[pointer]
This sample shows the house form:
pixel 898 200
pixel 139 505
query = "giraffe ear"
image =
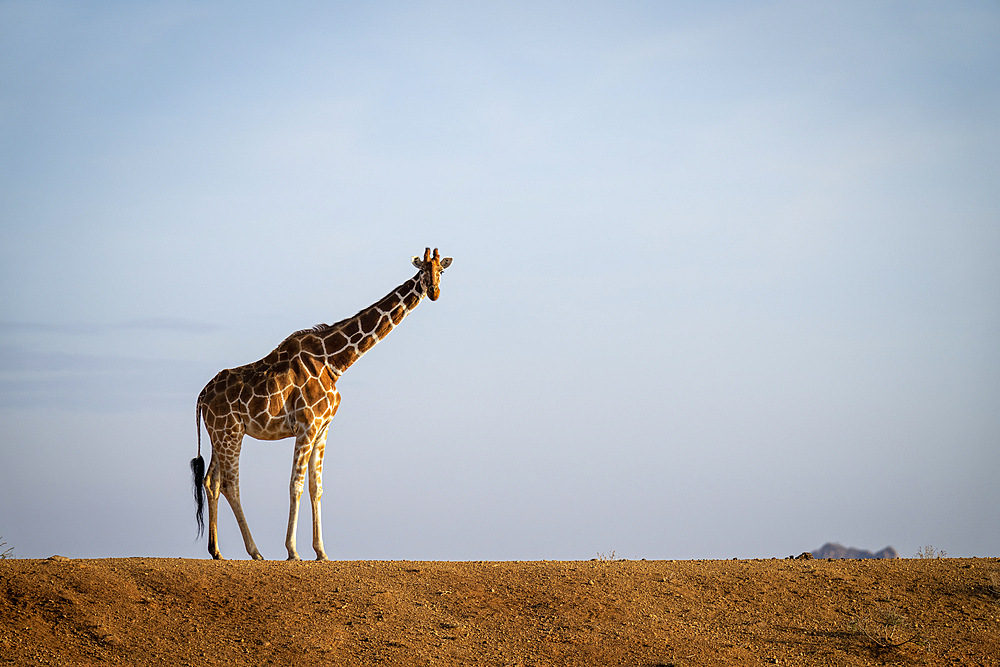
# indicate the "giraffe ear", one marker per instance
pixel 417 262
pixel 446 262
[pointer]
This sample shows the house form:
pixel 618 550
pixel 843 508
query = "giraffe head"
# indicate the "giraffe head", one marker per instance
pixel 430 271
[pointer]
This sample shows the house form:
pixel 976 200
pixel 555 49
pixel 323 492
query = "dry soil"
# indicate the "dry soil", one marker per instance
pixel 150 611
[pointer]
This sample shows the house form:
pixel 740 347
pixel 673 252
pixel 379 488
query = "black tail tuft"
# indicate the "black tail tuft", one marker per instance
pixel 198 471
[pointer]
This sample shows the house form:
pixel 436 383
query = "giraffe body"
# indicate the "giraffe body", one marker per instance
pixel 292 393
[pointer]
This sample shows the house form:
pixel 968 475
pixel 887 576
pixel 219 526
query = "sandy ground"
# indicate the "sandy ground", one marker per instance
pixel 149 611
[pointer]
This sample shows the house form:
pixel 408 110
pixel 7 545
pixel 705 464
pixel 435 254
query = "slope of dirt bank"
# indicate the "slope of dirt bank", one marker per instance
pixel 147 611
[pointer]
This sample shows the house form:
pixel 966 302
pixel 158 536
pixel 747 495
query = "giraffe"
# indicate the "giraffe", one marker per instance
pixel 292 392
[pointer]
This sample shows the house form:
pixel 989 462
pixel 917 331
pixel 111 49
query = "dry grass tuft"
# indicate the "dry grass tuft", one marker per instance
pixel 993 588
pixel 928 552
pixel 885 628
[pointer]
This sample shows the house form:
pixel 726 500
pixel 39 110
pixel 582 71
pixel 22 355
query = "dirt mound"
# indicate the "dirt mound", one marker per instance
pixel 145 611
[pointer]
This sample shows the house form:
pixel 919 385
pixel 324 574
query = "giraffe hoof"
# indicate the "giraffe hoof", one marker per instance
pixel 294 557
pixel 258 557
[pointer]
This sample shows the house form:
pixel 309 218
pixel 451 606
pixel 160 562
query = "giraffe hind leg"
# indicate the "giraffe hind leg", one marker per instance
pixel 213 486
pixel 223 478
pixel 232 493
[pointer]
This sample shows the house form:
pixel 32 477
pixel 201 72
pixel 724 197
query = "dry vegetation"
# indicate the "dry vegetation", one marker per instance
pixel 145 611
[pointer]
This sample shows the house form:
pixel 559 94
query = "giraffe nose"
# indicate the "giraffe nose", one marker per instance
pixel 434 292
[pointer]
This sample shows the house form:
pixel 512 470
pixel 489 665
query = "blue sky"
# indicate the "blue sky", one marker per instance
pixel 726 277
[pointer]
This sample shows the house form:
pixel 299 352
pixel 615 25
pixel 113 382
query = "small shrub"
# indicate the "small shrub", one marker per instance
pixel 605 558
pixel 993 588
pixel 6 553
pixel 885 628
pixel 928 552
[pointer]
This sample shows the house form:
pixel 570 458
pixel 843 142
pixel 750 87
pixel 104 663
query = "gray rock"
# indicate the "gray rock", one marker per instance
pixel 834 550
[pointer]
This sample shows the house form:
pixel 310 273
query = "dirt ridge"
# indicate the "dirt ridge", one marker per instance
pixel 146 611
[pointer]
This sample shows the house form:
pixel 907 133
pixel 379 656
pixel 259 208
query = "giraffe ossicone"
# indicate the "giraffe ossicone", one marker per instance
pixel 292 393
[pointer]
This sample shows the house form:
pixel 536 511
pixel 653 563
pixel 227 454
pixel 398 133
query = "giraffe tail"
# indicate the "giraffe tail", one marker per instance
pixel 198 473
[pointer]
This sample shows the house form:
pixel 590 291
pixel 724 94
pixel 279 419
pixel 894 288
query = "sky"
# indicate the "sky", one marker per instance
pixel 725 281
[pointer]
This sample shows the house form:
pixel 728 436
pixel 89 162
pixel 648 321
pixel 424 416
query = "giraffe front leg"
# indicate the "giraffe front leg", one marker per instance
pixel 316 492
pixel 300 462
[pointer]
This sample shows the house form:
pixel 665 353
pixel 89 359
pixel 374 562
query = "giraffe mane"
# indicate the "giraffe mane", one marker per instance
pixel 319 328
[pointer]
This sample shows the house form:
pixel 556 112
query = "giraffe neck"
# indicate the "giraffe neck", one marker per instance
pixel 348 340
